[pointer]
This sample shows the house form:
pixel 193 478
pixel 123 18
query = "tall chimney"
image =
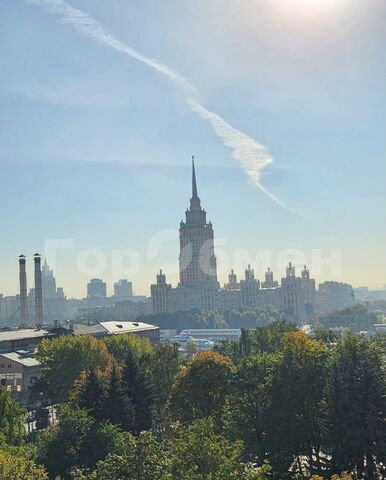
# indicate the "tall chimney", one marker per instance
pixel 38 292
pixel 23 292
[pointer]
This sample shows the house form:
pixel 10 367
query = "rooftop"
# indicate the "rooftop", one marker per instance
pixel 116 327
pixel 111 328
pixel 27 333
pixel 23 359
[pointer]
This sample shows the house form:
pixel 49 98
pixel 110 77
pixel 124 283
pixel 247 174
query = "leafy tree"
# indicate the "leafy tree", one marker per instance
pixel 118 407
pixel 120 345
pixel 200 387
pixel 142 458
pixel 63 359
pixel 77 442
pixel 260 316
pixel 61 448
pixel 357 408
pixel 329 337
pixel 262 339
pixel 246 412
pixel 194 452
pixel 91 393
pixel 356 318
pixel 163 367
pixel 236 318
pixel 297 389
pixel 11 419
pixel 198 453
pixel 269 338
pixel 139 389
pixel 103 439
pixel 14 467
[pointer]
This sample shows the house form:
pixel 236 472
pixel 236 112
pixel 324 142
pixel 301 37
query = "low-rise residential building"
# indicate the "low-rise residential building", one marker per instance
pixel 18 371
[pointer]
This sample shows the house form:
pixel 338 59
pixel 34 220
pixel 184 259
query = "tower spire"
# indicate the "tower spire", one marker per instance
pixel 194 184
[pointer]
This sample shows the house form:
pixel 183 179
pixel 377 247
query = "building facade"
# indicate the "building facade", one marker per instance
pixel 123 289
pixel 198 287
pixel 18 371
pixel 96 288
pixel 335 296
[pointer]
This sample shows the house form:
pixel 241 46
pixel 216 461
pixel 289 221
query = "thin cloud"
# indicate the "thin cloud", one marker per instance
pixel 251 155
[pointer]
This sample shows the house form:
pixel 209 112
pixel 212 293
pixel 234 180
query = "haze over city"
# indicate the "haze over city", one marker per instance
pixel 193 263
pixel 96 143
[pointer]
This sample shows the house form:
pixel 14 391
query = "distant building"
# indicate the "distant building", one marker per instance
pixel 48 282
pixel 54 300
pixel 232 334
pixel 96 288
pixel 334 296
pixel 123 289
pixel 130 310
pixel 309 292
pixel 198 287
pixel 365 294
pixel 361 293
pixel 9 311
pixel 293 295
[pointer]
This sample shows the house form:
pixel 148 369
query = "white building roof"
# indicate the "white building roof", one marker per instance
pixel 11 335
pixel 80 329
pixel 116 327
pixel 27 361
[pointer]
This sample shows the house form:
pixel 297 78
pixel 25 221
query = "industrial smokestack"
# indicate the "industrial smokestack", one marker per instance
pixel 23 292
pixel 38 292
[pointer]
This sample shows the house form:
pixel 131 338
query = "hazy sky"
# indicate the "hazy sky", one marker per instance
pixel 95 146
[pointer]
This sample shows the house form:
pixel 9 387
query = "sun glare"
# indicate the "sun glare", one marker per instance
pixel 308 7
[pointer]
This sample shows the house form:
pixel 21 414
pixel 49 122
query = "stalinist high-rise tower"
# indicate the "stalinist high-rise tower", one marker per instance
pixel 197 260
pixel 198 288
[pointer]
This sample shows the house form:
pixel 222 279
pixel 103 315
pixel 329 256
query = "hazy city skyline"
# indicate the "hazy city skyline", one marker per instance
pixel 96 146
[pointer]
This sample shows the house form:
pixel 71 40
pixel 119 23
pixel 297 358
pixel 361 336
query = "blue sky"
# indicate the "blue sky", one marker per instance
pixel 96 146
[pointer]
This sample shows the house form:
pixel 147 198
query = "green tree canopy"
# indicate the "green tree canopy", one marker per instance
pixel 137 385
pixel 14 467
pixel 120 345
pixel 118 408
pixel 77 442
pixel 64 358
pixel 200 387
pixel 198 453
pixel 357 408
pixel 297 390
pixel 11 419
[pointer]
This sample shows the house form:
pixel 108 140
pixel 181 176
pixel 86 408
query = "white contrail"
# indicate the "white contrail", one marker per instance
pixel 252 156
